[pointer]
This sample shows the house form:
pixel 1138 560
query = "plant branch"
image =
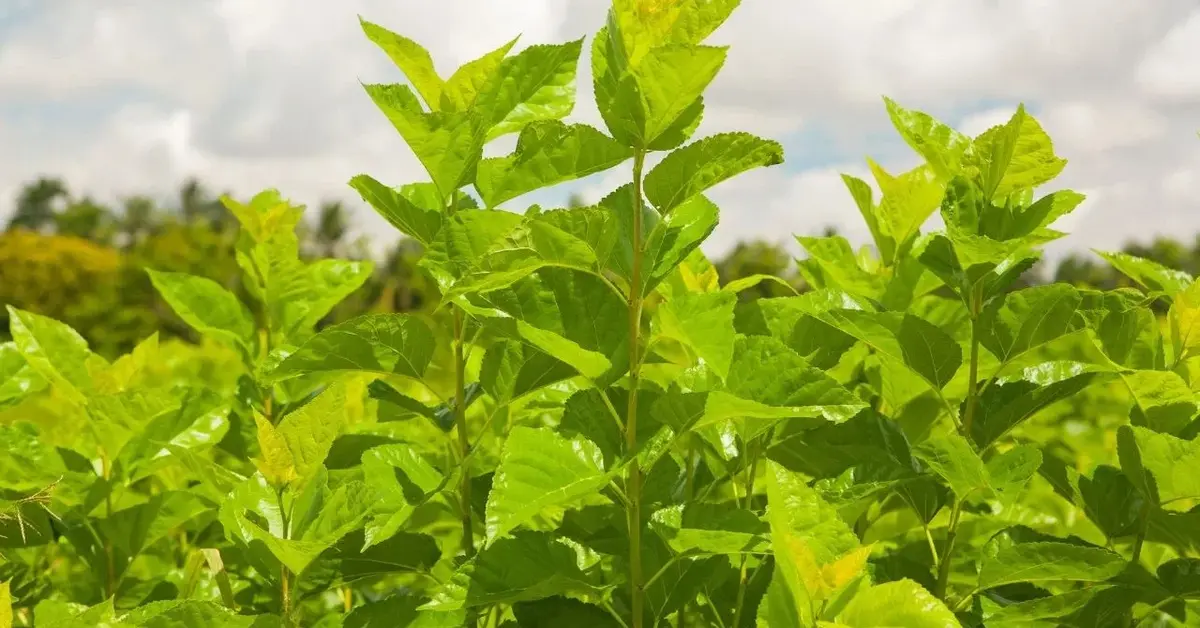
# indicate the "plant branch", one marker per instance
pixel 951 532
pixel 633 485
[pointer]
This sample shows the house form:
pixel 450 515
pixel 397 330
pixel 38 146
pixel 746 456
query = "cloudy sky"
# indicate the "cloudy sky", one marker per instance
pixel 132 96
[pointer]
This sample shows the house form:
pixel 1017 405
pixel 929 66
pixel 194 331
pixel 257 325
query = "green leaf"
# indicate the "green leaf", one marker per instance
pixel 1047 561
pixel 768 383
pixel 556 611
pixel 17 378
pixel 1162 400
pixel 907 202
pixel 880 231
pixel 1149 274
pixel 892 604
pixel 53 350
pixel 411 58
pixel 918 344
pixel 574 316
pixel 670 79
pixel 320 516
pixel 412 220
pixel 807 534
pixel 1023 222
pixel 129 531
pixel 941 146
pixel 547 153
pixel 646 25
pixel 207 307
pixel 1159 465
pixel 401 611
pixel 466 238
pixel 449 145
pixel 1017 155
pixel 562 238
pixel 673 238
pixel 510 369
pixel 463 87
pixel 386 344
pixel 1007 403
pixel 535 84
pixel 60 614
pixel 298 295
pixel 699 166
pixel 710 528
pixel 1181 576
pixel 1028 318
pixel 1185 322
pixel 304 437
pixel 6 606
pixel 1054 607
pixel 952 458
pixel 1111 501
pixel 538 470
pixel 837 267
pixel 192 614
pixel 652 99
pixel 402 481
pixel 1010 471
pixel 528 566
pixel 766 371
pixel 703 322
pixel 199 421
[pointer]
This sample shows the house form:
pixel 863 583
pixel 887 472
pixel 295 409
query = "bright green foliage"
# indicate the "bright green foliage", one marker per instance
pixel 588 429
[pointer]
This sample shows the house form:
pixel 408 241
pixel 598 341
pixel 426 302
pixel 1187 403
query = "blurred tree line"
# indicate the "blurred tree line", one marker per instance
pixel 81 261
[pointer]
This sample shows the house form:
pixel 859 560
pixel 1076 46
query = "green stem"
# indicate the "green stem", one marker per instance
pixel 633 486
pixel 1143 524
pixel 464 438
pixel 689 496
pixel 460 425
pixel 285 576
pixel 110 580
pixel 976 306
pixel 743 579
pixel 932 548
pixel 1154 610
pixel 973 375
pixel 951 533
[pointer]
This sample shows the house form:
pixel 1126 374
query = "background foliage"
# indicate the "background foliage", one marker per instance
pixel 572 416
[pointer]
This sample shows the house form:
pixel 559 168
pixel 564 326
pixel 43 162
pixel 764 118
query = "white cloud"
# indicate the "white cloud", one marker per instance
pixel 1170 69
pixel 135 95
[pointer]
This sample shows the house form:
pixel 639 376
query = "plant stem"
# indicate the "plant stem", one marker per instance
pixel 973 375
pixel 1141 535
pixel 951 532
pixel 285 594
pixel 689 496
pixel 975 307
pixel 751 471
pixel 464 439
pixel 285 576
pixel 633 487
pixel 110 584
pixel 347 598
pixel 460 425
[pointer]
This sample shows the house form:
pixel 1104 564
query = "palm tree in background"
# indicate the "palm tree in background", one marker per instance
pixel 404 288
pixel 85 218
pixel 753 258
pixel 195 203
pixel 137 220
pixel 36 203
pixel 331 228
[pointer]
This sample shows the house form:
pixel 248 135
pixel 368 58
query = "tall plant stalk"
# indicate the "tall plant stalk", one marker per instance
pixel 975 307
pixel 633 485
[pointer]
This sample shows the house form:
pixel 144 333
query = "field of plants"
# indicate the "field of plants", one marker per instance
pixel 588 429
